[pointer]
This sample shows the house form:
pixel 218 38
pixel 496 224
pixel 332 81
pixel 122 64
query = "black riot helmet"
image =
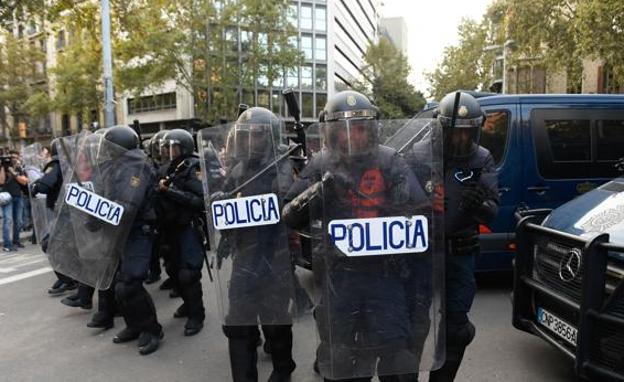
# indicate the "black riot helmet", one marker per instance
pixel 154 146
pixel 176 143
pixel 54 146
pixel 349 124
pixel 255 136
pixel 122 136
pixel 461 118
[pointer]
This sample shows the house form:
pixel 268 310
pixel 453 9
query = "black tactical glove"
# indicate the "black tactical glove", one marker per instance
pixel 472 196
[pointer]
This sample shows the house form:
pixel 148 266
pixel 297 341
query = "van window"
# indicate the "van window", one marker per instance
pixel 579 143
pixel 610 139
pixel 570 140
pixel 494 134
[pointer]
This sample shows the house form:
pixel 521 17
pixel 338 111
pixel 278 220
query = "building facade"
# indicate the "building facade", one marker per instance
pixel 333 37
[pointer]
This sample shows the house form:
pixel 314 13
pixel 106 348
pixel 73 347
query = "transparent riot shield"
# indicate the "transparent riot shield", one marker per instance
pixel 35 161
pixel 377 255
pixel 104 186
pixel 245 173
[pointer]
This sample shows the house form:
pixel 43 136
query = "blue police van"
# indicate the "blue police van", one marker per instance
pixel 548 149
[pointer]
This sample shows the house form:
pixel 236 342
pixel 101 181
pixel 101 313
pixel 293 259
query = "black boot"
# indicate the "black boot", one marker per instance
pixel 77 303
pixel 180 312
pixel 101 320
pixel 126 335
pixel 279 340
pixel 149 343
pixel 243 359
pixel 193 326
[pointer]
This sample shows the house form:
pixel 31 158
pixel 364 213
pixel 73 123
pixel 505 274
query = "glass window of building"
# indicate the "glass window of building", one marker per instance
pixel 321 100
pixel 292 80
pixel 263 98
pixel 308 106
pixel 320 14
pixel 263 40
pixel 320 48
pixel 231 36
pixel 276 101
pixel 306 77
pixel 306 17
pixel 321 77
pixel 293 16
pixel 245 40
pixel 249 97
pixel 306 46
pixel 278 81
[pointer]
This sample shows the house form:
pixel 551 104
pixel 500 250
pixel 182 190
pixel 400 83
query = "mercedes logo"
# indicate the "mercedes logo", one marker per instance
pixel 570 265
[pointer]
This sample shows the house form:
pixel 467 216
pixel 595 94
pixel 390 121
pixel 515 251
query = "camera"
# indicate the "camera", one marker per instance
pixel 5 160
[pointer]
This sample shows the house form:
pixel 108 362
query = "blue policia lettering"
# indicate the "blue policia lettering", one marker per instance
pixel 245 212
pixel 93 204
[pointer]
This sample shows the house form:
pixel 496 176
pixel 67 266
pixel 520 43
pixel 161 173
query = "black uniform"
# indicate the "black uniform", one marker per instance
pixel 470 193
pixel 260 280
pixel 50 184
pixel 179 210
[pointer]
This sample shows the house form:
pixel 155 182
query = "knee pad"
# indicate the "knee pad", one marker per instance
pixel 239 332
pixel 125 290
pixel 189 276
pixel 460 336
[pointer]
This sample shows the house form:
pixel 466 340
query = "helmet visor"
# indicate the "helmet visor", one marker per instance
pixel 352 137
pixel 460 142
pixel 251 142
pixel 170 149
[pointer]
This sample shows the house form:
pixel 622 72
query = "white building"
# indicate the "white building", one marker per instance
pixel 395 29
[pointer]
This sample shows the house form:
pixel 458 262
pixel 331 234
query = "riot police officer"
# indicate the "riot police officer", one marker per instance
pixel 261 282
pixel 364 316
pixel 469 195
pixel 50 184
pixel 130 179
pixel 180 206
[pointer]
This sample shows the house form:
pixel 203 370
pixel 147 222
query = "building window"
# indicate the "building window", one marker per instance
pixel 320 48
pixel 306 46
pixel 245 41
pixel 570 140
pixel 249 98
pixel 60 40
pixel 65 126
pixel 321 100
pixel 307 109
pixel 319 19
pixel 306 77
pixel 263 98
pixel 231 38
pixel 306 17
pixel 276 101
pixel 164 101
pixel 321 77
pixel 292 80
pixel 610 137
pixel 293 16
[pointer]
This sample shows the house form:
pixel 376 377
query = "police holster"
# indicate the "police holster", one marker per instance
pixel 463 243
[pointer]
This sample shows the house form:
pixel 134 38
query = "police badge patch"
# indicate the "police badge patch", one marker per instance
pixel 198 174
pixel 135 181
pixel 351 101
pixel 463 111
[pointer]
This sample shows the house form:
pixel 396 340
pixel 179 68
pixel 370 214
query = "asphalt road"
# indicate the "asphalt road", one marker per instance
pixel 42 340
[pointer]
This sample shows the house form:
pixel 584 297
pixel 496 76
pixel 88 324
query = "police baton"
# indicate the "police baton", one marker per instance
pixel 264 170
pixel 295 112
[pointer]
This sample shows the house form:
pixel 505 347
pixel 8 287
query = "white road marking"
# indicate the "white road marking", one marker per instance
pixel 25 275
pixel 7 270
pixel 30 263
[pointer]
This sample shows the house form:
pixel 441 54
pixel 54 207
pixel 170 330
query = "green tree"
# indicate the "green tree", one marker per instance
pixel 196 43
pixel 386 70
pixel 22 81
pixel 466 66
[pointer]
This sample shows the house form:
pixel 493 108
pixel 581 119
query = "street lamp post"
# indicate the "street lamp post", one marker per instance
pixel 109 103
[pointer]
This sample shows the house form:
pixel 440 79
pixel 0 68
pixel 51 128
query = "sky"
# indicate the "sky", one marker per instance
pixel 431 26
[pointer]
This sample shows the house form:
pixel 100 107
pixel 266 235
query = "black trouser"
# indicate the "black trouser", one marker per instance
pixel 242 345
pixel 85 293
pixel 133 300
pixel 63 278
pixel 154 267
pixel 188 250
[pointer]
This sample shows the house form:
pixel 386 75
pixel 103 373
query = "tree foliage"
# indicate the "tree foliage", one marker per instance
pixel 554 34
pixel 386 70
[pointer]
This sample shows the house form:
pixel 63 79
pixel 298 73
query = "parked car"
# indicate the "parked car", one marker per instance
pixel 569 280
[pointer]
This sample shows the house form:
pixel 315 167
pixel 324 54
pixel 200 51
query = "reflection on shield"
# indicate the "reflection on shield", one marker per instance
pixel 34 164
pixel 245 174
pixel 377 252
pixel 103 188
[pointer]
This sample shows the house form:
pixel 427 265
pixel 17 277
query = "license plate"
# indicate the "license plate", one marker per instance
pixel 557 326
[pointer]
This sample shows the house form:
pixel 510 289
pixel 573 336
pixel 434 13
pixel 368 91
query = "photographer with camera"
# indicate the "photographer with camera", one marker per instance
pixel 12 178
